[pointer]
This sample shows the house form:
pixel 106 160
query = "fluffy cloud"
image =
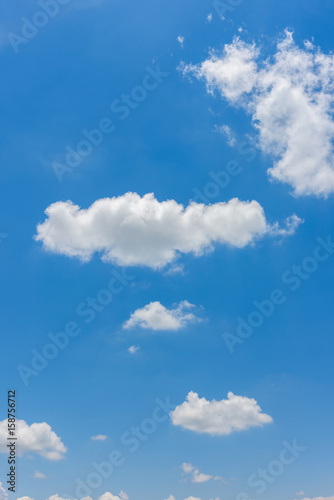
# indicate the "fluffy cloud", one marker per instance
pixel 170 498
pixel 110 496
pixel 35 438
pixel 99 437
pixel 155 316
pixel 133 349
pixel 132 230
pixel 290 98
pixel 218 418
pixel 197 476
pixel 105 496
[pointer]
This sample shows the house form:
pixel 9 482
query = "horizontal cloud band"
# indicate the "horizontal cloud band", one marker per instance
pixel 131 230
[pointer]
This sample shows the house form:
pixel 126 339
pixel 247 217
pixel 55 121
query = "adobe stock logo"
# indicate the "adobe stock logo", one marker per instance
pixel 30 28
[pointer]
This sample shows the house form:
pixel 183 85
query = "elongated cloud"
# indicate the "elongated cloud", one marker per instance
pixel 290 97
pixel 219 418
pixel 131 230
pixel 34 438
pixel 156 317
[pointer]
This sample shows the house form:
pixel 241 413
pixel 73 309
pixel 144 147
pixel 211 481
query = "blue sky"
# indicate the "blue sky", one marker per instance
pixel 63 81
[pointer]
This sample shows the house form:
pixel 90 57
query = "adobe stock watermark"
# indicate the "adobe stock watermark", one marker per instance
pixel 88 309
pixel 263 478
pixel 130 441
pixel 293 278
pixel 31 27
pixel 225 7
pixel 221 179
pixel 122 108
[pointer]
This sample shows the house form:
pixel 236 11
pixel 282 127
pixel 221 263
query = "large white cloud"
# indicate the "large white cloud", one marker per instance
pixel 133 230
pixel 237 413
pixel 34 438
pixel 290 97
pixel 155 316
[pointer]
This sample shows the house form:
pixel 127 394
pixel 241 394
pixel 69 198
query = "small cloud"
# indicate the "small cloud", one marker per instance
pixel 209 17
pixel 180 39
pixel 219 418
pixel 39 475
pixel 99 437
pixel 133 349
pixel 156 317
pixel 225 130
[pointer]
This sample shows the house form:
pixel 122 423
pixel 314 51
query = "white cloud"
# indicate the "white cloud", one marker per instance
pixel 180 39
pixel 131 230
pixel 57 497
pixel 39 475
pixel 133 349
pixel 319 498
pixel 290 98
pixel 110 496
pixel 209 17
pixel 170 498
pixel 34 438
pixel 3 494
pixel 193 498
pixel 99 437
pixel 197 476
pixel 218 418
pixel 123 496
pixel 155 316
pixel 226 130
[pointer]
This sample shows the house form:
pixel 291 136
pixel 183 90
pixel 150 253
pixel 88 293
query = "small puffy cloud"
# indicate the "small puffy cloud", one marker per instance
pixel 193 498
pixel 39 475
pixel 34 438
pixel 180 39
pixel 219 418
pixel 133 349
pixel 290 98
pixel 209 17
pixel 170 498
pixel 131 230
pixel 123 495
pixel 197 477
pixel 155 316
pixel 99 437
pixel 110 496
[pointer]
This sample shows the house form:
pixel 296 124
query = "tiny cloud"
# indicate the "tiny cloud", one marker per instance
pixel 155 316
pixel 131 230
pixel 219 418
pixel 99 437
pixel 34 438
pixel 133 349
pixel 39 475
